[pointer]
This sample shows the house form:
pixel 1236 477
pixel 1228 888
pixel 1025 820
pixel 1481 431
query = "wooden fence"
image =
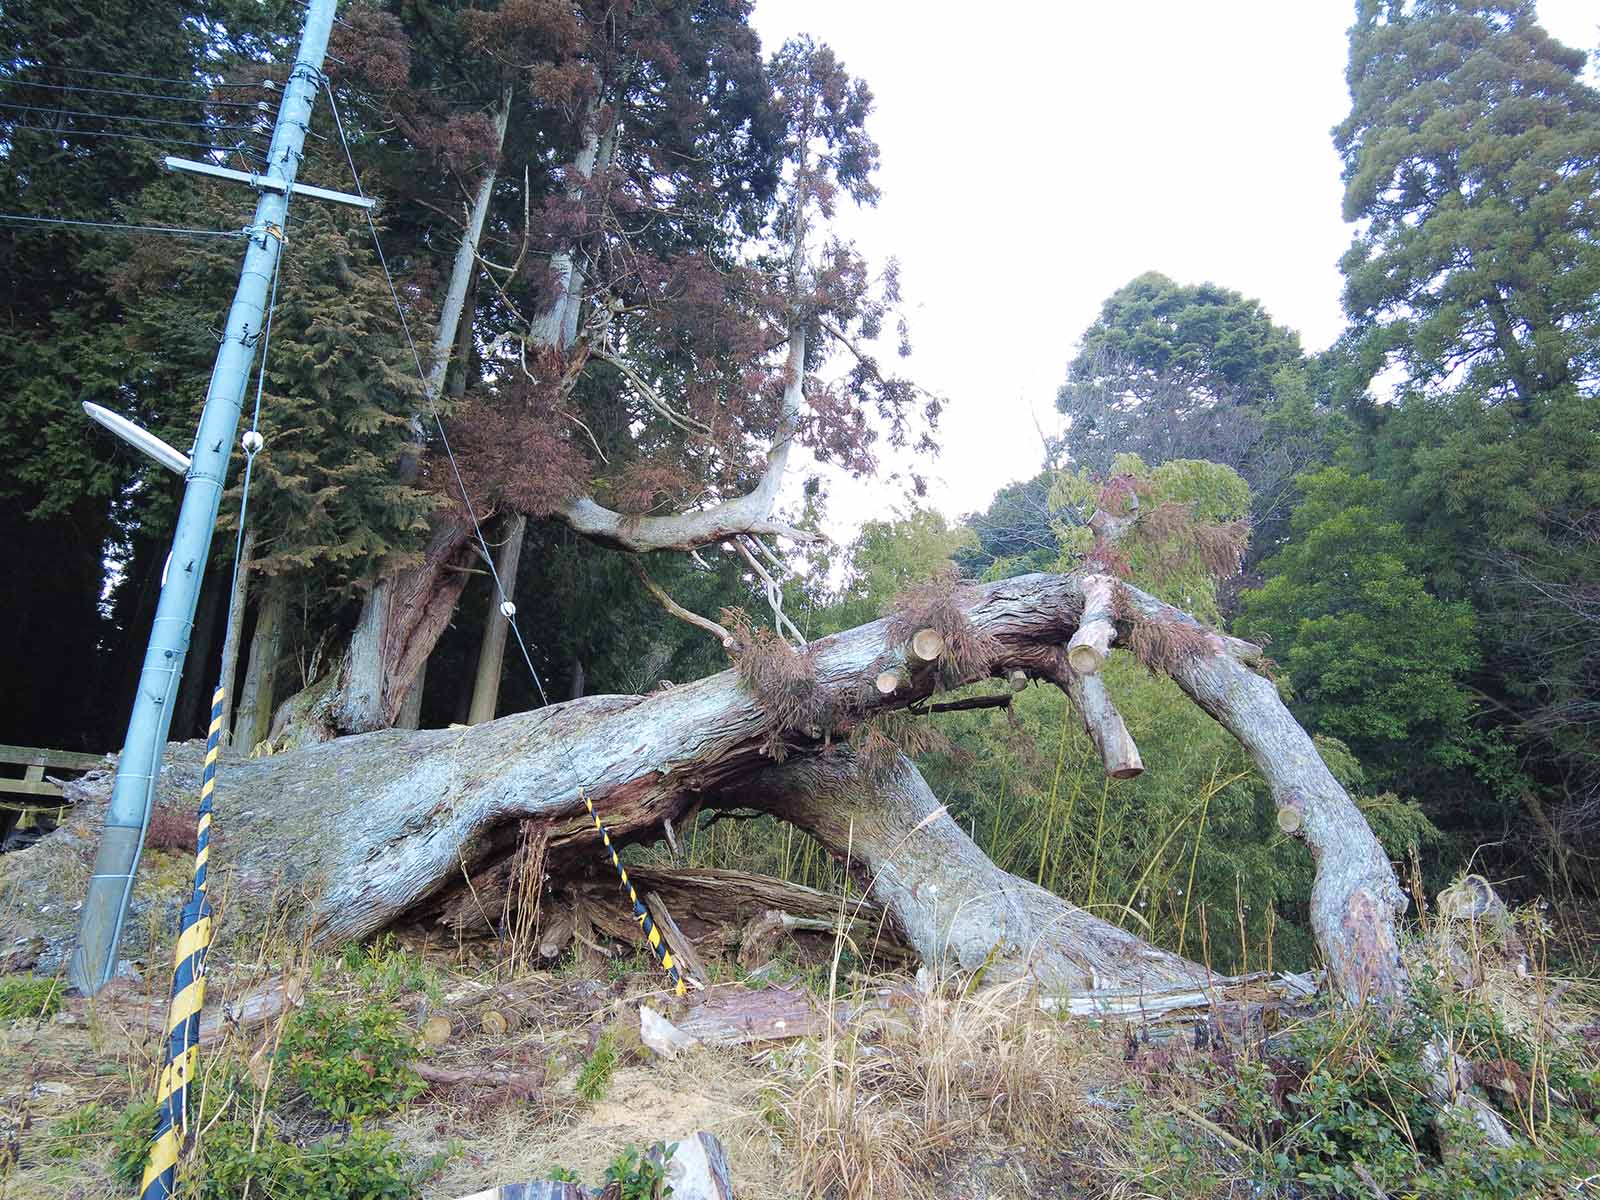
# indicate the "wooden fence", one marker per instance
pixel 23 816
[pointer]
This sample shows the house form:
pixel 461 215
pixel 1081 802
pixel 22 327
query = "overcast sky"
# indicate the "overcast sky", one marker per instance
pixel 1037 156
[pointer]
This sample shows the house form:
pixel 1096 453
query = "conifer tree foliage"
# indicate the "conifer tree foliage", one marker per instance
pixel 1472 159
pixel 78 142
pixel 1471 155
pixel 656 298
pixel 1171 371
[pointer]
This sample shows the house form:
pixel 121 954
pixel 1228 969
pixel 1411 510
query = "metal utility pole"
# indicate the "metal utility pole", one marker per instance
pixel 111 886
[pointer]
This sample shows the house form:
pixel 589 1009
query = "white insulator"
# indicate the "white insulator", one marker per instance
pixel 507 609
pixel 252 441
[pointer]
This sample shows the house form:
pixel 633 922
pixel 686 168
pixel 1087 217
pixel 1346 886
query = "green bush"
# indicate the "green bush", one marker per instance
pixel 362 1165
pixel 130 1141
pixel 595 1077
pixel 1348 1113
pixel 349 1063
pixel 637 1176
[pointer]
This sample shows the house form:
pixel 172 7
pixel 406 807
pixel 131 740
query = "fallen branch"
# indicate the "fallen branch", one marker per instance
pixel 478 1077
pixel 1103 723
pixel 965 705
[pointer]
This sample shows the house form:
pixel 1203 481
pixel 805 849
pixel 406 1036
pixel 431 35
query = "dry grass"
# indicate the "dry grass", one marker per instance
pixel 887 1107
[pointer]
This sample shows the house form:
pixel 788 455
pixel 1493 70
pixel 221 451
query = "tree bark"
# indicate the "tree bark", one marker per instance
pixel 411 711
pixel 949 902
pixel 403 816
pixel 492 650
pixel 230 640
pixel 254 720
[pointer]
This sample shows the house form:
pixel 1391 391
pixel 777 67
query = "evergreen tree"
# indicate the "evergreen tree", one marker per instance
pixel 1373 658
pixel 79 140
pixel 1169 371
pixel 1472 160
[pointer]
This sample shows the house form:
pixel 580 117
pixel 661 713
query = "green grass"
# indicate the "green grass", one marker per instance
pixel 30 997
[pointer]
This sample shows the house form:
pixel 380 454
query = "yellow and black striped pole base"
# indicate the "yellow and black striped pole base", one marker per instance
pixel 188 994
pixel 640 913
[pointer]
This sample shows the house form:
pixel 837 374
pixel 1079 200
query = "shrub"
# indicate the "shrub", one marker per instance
pixel 362 1165
pixel 595 1077
pixel 349 1064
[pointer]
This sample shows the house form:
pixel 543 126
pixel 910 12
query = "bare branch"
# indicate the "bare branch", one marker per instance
pixel 651 397
pixel 676 609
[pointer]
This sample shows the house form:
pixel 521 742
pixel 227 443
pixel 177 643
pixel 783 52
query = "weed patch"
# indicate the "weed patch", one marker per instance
pixel 28 997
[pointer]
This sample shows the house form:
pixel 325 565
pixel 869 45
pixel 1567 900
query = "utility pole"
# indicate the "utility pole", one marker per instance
pixel 139 766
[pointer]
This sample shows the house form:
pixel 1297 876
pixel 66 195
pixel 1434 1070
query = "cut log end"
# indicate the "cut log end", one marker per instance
pixel 1086 658
pixel 888 682
pixel 1018 679
pixel 436 1030
pixel 1290 819
pixel 927 645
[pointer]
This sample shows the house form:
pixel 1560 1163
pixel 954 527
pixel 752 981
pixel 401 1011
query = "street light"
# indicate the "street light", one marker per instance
pixel 139 439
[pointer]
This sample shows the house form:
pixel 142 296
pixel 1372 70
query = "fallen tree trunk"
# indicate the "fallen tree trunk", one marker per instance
pixel 357 833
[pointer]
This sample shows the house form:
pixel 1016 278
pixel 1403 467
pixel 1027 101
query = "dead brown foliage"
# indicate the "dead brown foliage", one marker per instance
pixel 878 742
pixel 939 604
pixel 171 829
pixel 1172 532
pixel 781 677
pixel 1162 645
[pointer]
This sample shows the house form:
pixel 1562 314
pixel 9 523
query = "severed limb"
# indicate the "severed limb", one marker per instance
pixel 1086 652
pixel 1102 722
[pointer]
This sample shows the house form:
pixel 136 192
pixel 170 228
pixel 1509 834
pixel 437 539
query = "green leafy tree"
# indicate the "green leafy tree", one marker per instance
pixel 889 556
pixel 1190 523
pixel 1199 372
pixel 1373 657
pixel 1210 339
pixel 1472 160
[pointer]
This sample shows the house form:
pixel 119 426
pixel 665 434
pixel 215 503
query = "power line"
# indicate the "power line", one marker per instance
pixel 123 227
pixel 98 116
pixel 68 87
pixel 507 608
pixel 172 140
pixel 192 80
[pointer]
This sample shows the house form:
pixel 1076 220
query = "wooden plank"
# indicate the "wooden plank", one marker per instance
pixel 682 948
pixel 27 787
pixel 29 756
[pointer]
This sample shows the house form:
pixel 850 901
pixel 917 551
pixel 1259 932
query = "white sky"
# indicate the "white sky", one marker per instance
pixel 1035 162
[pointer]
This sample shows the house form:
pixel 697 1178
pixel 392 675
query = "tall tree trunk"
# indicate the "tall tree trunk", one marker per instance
pixel 254 720
pixel 374 684
pixel 411 711
pixel 230 640
pixel 492 649
pixel 404 815
pixel 198 665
